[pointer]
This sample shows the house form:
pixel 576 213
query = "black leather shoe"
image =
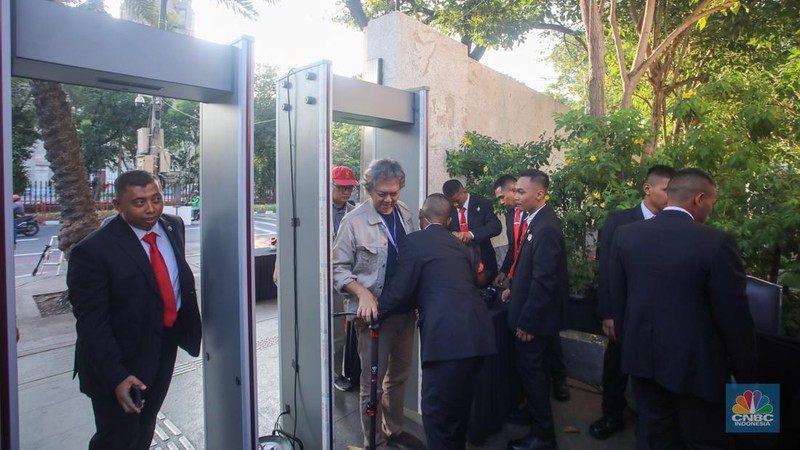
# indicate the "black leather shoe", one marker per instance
pixel 605 427
pixel 532 442
pixel 560 390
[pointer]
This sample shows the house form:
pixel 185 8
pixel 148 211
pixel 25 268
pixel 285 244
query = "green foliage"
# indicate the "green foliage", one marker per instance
pixel 24 132
pixel 264 133
pixel 486 23
pixel 603 171
pixel 106 122
pixel 482 160
pixel 347 146
pixel 736 129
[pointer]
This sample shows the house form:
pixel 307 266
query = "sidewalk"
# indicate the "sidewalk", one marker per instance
pixel 54 414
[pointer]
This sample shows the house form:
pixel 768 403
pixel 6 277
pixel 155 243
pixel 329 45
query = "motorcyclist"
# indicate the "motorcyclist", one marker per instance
pixel 19 208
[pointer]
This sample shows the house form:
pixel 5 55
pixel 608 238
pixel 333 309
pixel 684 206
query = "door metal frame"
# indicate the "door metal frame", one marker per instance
pixel 310 98
pixel 94 50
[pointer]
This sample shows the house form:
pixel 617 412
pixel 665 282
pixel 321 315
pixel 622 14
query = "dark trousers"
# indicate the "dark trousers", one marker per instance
pixel 614 382
pixel 555 360
pixel 447 391
pixel 118 430
pixel 677 421
pixel 531 364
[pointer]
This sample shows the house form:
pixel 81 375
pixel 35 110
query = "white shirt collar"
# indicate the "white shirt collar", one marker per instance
pixel 533 214
pixel 646 212
pixel 678 208
pixel 465 205
pixel 157 229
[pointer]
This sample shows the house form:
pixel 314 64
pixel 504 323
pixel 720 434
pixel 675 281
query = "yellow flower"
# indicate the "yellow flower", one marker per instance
pixel 585 140
pixel 597 195
pixel 593 158
pixel 639 141
pixel 688 94
pixel 567 162
pixel 485 169
pixel 466 141
pixel 603 205
pixel 547 197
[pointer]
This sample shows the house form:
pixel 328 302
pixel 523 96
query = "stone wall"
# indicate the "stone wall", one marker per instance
pixel 464 94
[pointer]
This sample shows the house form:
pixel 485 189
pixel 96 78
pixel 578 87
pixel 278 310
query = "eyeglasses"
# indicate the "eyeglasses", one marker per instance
pixel 381 194
pixel 344 188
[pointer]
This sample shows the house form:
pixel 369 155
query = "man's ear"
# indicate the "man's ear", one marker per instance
pixel 698 201
pixel 646 188
pixel 448 221
pixel 115 202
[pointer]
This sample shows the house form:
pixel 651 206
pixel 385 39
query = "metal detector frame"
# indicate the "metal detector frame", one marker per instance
pixel 90 49
pixel 309 100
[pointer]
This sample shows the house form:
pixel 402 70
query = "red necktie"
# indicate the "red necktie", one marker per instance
pixel 164 283
pixel 517 216
pixel 518 246
pixel 463 219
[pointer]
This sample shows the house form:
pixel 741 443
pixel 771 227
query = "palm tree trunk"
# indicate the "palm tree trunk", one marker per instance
pixel 63 151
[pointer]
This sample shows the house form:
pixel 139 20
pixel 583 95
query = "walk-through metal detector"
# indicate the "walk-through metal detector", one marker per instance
pixel 48 41
pixel 309 100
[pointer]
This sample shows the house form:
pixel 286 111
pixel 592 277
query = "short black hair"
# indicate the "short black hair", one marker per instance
pixel 686 183
pixel 659 171
pixel 451 187
pixel 139 178
pixel 537 176
pixel 436 206
pixel 503 182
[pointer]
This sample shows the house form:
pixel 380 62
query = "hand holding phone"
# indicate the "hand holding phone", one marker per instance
pixel 136 396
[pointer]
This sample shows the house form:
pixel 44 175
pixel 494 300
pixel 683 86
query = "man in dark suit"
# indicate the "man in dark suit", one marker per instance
pixel 437 275
pixel 473 221
pixel 614 381
pixel 682 317
pixel 539 289
pixel 504 190
pixel 134 299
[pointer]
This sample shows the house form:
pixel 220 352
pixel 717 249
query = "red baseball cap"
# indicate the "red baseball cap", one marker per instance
pixel 344 176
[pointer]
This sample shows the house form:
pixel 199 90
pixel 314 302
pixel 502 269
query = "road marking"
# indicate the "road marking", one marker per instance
pixel 27 254
pixel 27 240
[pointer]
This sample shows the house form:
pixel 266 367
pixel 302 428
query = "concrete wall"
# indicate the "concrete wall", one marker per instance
pixel 464 94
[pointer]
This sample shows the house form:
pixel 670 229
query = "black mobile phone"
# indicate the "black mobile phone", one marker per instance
pixel 136 396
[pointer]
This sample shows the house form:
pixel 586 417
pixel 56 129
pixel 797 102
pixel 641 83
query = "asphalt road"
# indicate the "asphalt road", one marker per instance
pixel 29 249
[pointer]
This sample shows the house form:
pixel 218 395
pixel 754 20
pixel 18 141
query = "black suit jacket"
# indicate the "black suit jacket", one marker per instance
pixel 540 288
pixel 678 289
pixel 509 259
pixel 484 225
pixel 118 306
pixel 435 273
pixel 613 221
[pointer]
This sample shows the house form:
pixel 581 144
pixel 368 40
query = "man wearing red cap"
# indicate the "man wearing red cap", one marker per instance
pixel 344 181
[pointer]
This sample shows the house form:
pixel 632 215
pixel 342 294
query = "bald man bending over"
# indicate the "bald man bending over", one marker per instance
pixel 437 275
pixel 682 318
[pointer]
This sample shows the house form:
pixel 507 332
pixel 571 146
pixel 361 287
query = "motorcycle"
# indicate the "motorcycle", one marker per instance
pixel 27 226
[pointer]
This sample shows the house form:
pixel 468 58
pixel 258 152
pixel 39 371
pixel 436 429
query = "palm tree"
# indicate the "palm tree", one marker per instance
pixel 62 146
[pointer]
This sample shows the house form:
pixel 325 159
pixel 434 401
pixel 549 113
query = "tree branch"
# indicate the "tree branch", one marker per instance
pixel 635 15
pixel 623 68
pixel 644 36
pixel 561 29
pixel 357 13
pixel 691 20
